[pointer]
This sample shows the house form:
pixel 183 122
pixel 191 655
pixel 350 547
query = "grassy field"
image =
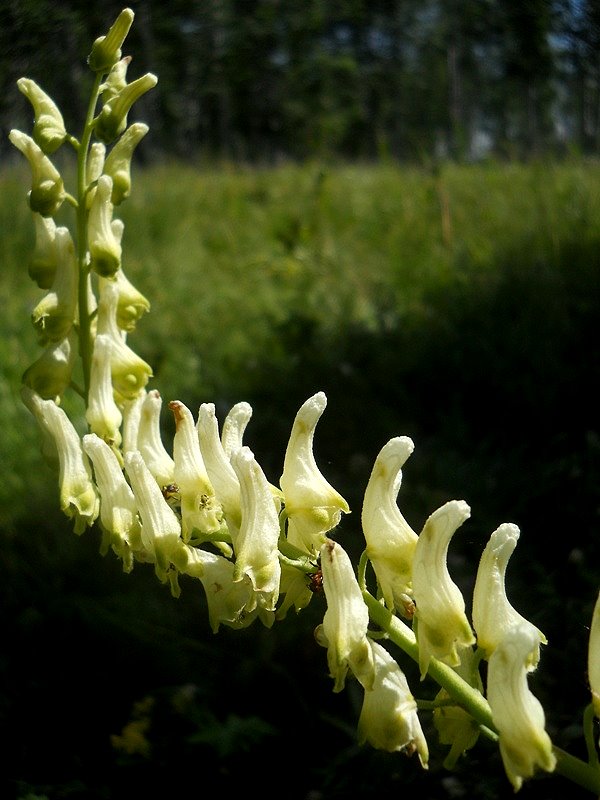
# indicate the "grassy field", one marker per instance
pixel 458 306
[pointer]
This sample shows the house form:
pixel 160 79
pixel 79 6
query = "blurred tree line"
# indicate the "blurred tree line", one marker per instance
pixel 267 79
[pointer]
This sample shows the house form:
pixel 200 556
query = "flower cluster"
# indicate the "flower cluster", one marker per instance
pixel 204 507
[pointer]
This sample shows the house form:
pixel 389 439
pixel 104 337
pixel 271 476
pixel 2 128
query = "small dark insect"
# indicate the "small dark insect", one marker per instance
pixel 170 490
pixel 316 582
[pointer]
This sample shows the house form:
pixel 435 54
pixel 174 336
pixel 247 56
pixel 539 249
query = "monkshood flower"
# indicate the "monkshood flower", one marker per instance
pixel 115 80
pixel 130 373
pixel 47 191
pixel 54 315
pixel 49 128
pixel 442 625
pixel 102 413
pixel 255 544
pixel 234 425
pixel 111 122
pixel 50 374
pixel 106 50
pixel 594 658
pixel 201 512
pixel 517 713
pixel 93 170
pixel 161 531
pixel 493 614
pixel 118 509
pixel 78 495
pixel 222 475
pixel 344 628
pixel 390 540
pixel 313 506
pixel 132 412
pixel 118 163
pixel 44 259
pixel 149 441
pixel 104 246
pixel 132 304
pixel 388 719
pixel 231 603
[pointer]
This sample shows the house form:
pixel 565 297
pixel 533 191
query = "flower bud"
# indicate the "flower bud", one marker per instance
pixel 149 442
pixel 54 315
pixel 344 629
pixel 50 375
pixel 200 509
pixel 388 719
pixel 102 414
pixel 49 127
pixel 313 506
pixel 493 615
pixel 390 540
pixel 115 80
pixel 118 163
pixel 442 625
pixel 517 714
pixel 111 122
pixel 43 263
pixel 47 188
pixel 104 246
pixel 106 50
pixel 255 544
pixel 118 509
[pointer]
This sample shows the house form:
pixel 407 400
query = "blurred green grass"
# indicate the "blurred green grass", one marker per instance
pixel 457 305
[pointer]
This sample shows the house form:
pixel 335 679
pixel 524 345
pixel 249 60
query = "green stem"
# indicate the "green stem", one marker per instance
pixel 85 338
pixel 576 770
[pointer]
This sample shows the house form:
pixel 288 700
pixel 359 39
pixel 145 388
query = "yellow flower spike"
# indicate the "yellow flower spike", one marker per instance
pixel 102 413
pixel 106 50
pixel 221 473
pixel 594 658
pixel 161 532
pixel 104 246
pixel 200 509
pixel 111 122
pixel 78 495
pixel 149 441
pixel 130 373
pixel 44 259
pixel 493 614
pixel 234 425
pixel 54 315
pixel 388 719
pixel 313 506
pixel 118 509
pixel 442 625
pixel 390 540
pixel 517 713
pixel 344 628
pixel 47 191
pixel 50 374
pixel 255 544
pixel 118 163
pixel 49 128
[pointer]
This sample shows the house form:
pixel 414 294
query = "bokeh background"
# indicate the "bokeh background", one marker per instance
pixel 397 203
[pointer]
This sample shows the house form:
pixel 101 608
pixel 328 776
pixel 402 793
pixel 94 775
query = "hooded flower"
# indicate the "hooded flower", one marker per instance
pixel 234 425
pixel 390 540
pixel 344 628
pixel 50 374
pixel 44 259
pixel 54 315
pixel 255 544
pixel 118 163
pixel 222 475
pixel 102 413
pixel 104 246
pixel 106 50
pixel 388 719
pixel 313 506
pixel 149 441
pixel 49 128
pixel 517 713
pixel 47 188
pixel 111 122
pixel 493 615
pixel 442 626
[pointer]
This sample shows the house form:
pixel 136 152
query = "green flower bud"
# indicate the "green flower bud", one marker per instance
pixel 111 122
pixel 43 263
pixel 104 246
pixel 313 505
pixel 54 315
pixel 47 188
pixel 106 50
pixel 118 163
pixel 49 128
pixel 50 375
pixel 390 540
pixel 102 414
